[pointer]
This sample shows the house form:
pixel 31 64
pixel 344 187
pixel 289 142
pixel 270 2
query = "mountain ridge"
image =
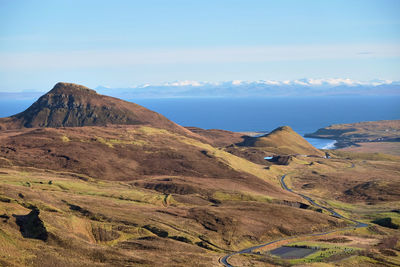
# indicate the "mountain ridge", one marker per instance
pixel 237 88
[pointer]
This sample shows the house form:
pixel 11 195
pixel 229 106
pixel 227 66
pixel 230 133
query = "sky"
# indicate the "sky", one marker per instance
pixel 128 43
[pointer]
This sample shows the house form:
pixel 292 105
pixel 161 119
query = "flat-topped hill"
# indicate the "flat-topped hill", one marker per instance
pixel 368 131
pixel 283 140
pixel 73 105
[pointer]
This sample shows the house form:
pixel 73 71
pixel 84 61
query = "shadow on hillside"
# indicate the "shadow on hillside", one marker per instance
pixel 31 226
pixel 247 141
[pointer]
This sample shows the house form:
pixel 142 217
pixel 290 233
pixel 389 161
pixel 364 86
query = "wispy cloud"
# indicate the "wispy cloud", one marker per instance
pixel 365 53
pixel 92 59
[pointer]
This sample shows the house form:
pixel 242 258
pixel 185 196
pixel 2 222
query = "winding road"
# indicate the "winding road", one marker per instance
pixel 224 260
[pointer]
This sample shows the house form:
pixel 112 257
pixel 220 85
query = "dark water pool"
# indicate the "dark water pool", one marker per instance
pixel 292 252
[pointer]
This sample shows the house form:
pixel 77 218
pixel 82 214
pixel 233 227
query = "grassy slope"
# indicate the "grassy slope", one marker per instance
pixel 168 218
pixel 96 216
pixel 283 140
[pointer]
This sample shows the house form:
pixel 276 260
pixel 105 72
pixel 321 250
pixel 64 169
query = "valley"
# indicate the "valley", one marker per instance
pixel 90 180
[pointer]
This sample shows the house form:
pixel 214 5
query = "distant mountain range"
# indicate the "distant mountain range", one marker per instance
pixel 236 88
pixel 303 87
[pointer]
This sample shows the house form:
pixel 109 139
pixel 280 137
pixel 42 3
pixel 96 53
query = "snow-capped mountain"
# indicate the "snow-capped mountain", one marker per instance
pixel 265 88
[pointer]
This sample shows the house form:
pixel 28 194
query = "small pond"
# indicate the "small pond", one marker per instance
pixel 293 252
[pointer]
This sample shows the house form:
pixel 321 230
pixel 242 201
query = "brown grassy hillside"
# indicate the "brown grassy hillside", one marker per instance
pixel 91 223
pixel 219 138
pixel 125 153
pixel 137 195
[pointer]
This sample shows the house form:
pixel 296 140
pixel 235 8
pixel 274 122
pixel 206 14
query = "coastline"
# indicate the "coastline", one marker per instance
pixel 343 143
pixel 325 144
pixel 338 143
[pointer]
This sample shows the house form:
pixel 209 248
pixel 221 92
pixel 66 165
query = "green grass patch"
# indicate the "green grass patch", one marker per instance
pixel 117 193
pixel 127 142
pixel 110 142
pixel 324 252
pixel 152 130
pixel 385 219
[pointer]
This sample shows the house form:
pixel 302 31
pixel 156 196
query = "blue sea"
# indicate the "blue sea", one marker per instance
pixel 303 114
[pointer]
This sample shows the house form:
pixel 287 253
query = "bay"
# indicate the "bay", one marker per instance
pixel 303 114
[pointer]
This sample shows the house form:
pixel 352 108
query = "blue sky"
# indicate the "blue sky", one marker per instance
pixel 126 43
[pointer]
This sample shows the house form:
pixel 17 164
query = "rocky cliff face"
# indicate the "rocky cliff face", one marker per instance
pixel 72 105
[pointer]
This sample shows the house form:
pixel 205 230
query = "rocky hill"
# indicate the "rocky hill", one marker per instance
pixel 73 105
